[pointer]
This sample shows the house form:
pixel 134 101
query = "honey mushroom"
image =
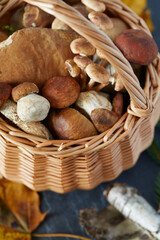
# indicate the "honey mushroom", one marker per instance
pixel 111 26
pixel 30 106
pixel 97 73
pixel 94 5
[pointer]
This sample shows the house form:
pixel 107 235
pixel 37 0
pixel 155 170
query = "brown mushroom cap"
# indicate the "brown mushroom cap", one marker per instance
pixel 82 46
pixel 95 5
pixel 101 20
pixel 69 124
pixel 119 26
pixel 35 17
pixel 103 119
pixel 23 89
pixel 72 68
pixel 61 91
pixel 5 92
pixel 97 73
pixel 3 36
pixel 82 61
pixel 137 46
pixel 118 104
pixel 23 60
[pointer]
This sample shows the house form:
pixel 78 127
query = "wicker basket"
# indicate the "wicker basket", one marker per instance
pixel 63 166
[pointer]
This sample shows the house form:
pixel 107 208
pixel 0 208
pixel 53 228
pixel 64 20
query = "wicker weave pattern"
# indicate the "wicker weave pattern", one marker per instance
pixel 63 166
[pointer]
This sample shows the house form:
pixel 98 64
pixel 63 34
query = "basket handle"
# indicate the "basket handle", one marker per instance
pixel 140 105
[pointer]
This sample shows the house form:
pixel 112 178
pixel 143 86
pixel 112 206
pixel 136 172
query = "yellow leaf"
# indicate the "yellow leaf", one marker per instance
pixel 137 6
pixel 7 233
pixel 23 202
pixel 146 15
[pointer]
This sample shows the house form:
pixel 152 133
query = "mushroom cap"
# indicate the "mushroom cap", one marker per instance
pixel 137 46
pixel 82 46
pixel 118 104
pixel 90 100
pixel 95 5
pixel 70 124
pixel 5 92
pixel 23 89
pixel 32 108
pixel 23 60
pixel 35 17
pixel 101 20
pixel 97 73
pixel 82 61
pixel 103 119
pixel 119 26
pixel 3 36
pixel 61 91
pixel 72 68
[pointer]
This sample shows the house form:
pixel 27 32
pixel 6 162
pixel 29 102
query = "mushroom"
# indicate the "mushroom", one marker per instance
pixel 72 68
pixel 23 60
pixel 23 90
pixel 5 92
pixel 70 124
pixel 90 100
pixel 97 73
pixel 35 17
pixel 3 36
pixel 82 61
pixel 118 104
pixel 137 46
pixel 32 108
pixel 94 5
pixel 97 106
pixel 111 26
pixel 61 91
pixel 16 21
pixel 9 110
pixel 101 20
pixel 83 47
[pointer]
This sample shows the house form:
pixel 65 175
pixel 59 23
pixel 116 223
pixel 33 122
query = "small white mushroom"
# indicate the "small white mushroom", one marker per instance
pixel 33 108
pixel 94 5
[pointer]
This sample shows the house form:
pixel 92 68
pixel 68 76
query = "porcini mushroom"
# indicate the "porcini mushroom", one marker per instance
pixel 37 60
pixel 16 21
pixel 9 110
pixel 5 92
pixel 23 89
pixel 35 17
pixel 33 108
pixel 70 124
pixel 61 91
pixel 137 46
pixel 90 100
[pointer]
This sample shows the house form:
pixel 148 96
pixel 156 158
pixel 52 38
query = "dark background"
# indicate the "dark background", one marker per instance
pixel 64 209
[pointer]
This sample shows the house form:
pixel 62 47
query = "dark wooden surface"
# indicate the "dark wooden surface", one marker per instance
pixel 63 209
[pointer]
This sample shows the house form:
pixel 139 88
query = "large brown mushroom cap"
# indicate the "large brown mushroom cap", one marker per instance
pixel 137 46
pixel 35 55
pixel 69 124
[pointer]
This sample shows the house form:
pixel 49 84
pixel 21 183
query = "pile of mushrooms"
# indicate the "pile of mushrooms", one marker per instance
pixel 53 82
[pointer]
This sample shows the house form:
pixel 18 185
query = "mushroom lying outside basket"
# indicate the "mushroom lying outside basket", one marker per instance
pixel 65 165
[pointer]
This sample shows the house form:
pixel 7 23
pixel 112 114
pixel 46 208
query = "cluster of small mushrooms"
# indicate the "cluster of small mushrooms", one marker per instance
pixel 54 83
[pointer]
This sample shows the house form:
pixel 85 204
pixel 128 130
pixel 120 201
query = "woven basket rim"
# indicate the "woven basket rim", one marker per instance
pixel 142 103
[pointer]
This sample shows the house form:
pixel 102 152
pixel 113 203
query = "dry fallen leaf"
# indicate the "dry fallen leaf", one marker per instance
pixel 23 203
pixel 7 233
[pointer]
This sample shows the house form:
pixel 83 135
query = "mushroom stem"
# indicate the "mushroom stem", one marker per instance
pixel 133 206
